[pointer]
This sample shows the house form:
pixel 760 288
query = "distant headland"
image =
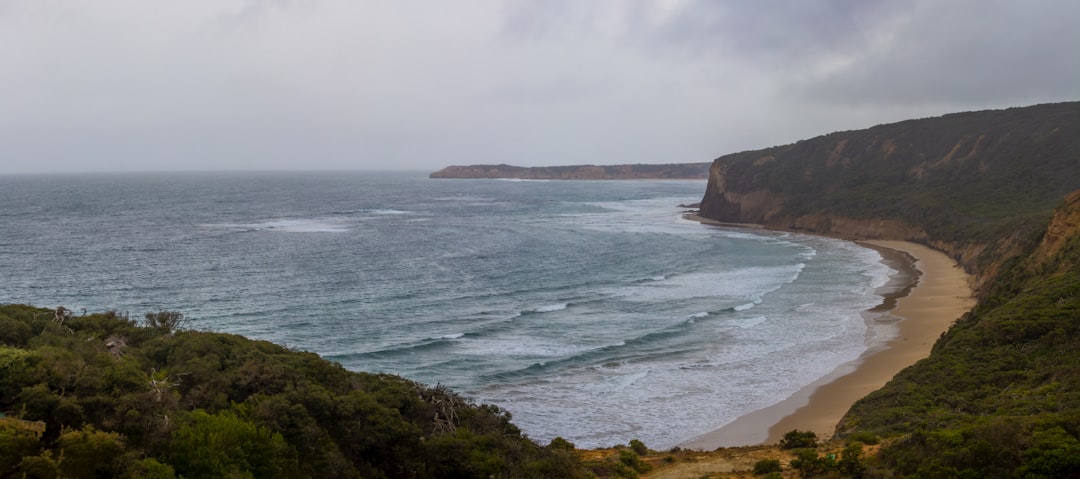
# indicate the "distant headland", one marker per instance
pixel 673 171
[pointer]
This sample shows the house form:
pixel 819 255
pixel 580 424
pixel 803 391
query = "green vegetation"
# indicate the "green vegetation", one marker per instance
pixel 796 439
pixel 1000 394
pixel 988 178
pixel 766 466
pixel 104 396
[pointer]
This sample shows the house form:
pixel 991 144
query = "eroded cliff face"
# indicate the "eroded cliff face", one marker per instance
pixel 1063 232
pixel 979 186
pixel 723 203
pixel 763 207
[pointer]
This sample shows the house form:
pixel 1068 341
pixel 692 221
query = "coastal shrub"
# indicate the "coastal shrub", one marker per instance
pixel 561 444
pixel 42 466
pixel 15 443
pixel 766 466
pixel 810 464
pixel 224 444
pixel 1055 453
pixel 89 453
pixel 639 447
pixel 631 459
pixel 150 468
pixel 121 399
pixel 851 460
pixel 865 437
pixel 796 439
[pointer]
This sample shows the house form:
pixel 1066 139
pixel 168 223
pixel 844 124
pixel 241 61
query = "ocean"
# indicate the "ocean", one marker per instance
pixel 589 310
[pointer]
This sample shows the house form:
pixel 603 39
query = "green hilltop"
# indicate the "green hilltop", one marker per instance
pixel 999 395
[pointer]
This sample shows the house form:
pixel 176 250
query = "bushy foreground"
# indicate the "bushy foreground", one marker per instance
pixel 103 395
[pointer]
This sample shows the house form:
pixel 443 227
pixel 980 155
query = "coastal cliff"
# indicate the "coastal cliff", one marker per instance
pixel 977 185
pixel 674 171
pixel 999 191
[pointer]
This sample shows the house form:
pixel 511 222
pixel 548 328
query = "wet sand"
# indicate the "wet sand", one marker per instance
pixel 923 299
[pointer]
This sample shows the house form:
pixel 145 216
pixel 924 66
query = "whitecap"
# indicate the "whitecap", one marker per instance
pixel 745 306
pixel 699 315
pixel 551 307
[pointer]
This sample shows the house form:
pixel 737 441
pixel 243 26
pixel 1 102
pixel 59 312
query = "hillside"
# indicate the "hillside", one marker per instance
pixel 579 172
pixel 1000 394
pixel 976 185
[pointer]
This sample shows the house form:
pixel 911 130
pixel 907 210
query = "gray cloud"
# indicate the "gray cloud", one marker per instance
pixel 332 84
pixel 966 53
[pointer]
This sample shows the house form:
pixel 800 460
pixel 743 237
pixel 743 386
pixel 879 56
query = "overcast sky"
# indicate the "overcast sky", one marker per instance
pixel 134 85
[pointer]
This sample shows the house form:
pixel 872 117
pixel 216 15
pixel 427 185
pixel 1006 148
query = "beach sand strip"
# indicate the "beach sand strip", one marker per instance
pixel 927 294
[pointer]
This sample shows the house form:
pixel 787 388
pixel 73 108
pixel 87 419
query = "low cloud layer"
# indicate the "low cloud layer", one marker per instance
pixel 120 85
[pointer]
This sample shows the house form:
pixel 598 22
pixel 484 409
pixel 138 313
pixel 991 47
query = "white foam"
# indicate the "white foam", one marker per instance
pixel 699 315
pixel 551 307
pixel 734 287
pixel 746 306
pixel 453 336
pixel 623 381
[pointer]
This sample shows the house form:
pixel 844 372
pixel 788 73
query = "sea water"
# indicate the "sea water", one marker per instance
pixel 589 310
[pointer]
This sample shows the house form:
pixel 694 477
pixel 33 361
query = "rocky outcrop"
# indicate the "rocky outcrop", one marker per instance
pixel 579 172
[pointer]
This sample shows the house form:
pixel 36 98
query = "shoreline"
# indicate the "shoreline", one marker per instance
pixel 925 295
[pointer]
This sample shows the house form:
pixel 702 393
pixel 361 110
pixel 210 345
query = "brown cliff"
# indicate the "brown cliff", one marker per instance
pixel 1062 236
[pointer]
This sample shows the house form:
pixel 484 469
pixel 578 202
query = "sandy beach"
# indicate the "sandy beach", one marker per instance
pixel 923 299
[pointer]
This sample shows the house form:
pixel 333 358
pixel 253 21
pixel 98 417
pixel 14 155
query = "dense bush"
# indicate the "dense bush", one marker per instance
pixel 766 466
pixel 103 396
pixel 796 439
